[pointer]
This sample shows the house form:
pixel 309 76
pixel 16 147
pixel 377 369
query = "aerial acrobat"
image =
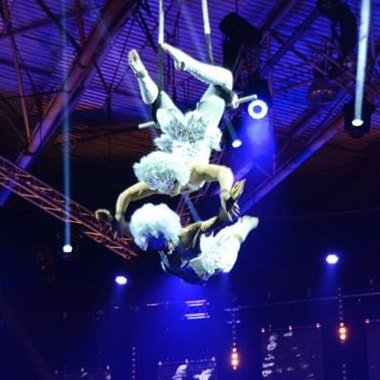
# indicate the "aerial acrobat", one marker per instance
pixel 180 164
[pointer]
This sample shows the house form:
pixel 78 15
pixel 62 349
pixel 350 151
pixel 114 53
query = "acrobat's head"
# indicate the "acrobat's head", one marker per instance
pixel 155 227
pixel 162 172
pixel 156 243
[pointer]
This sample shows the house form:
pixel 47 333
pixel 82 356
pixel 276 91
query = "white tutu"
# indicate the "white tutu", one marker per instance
pixel 192 135
pixel 219 252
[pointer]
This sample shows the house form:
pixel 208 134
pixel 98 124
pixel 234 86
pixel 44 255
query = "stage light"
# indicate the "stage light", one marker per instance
pixel 196 309
pixel 121 280
pixel 67 245
pixel 67 248
pixel 234 359
pixel 358 127
pixel 258 108
pixel 342 332
pixel 232 127
pixel 236 143
pixel 332 259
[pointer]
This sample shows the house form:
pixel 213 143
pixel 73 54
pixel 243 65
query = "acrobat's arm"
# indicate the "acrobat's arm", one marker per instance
pixel 221 174
pixel 139 190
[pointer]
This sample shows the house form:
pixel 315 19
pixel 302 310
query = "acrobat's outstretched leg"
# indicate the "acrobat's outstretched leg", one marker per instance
pixel 148 88
pixel 210 74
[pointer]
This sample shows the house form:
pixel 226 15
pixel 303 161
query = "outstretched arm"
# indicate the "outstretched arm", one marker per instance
pixel 221 174
pixel 139 190
pixel 118 224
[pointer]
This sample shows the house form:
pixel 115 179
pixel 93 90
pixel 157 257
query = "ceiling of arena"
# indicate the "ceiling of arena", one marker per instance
pixel 66 90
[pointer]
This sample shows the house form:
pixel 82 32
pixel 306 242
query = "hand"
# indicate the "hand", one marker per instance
pixel 229 200
pixel 104 216
pixel 237 189
pixel 118 228
pixel 232 210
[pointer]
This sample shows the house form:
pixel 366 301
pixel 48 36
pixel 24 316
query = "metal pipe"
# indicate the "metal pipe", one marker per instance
pixel 18 71
pixel 113 17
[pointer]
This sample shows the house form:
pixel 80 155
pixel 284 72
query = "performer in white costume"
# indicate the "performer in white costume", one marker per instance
pixel 196 252
pixel 181 162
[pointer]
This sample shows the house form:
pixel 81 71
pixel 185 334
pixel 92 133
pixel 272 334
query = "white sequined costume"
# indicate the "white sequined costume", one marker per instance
pixel 195 134
pixel 209 255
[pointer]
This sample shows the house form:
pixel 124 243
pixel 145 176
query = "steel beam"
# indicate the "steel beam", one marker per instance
pixel 76 82
pixel 53 202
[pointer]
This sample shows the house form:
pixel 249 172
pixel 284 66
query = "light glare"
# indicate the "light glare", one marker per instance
pixel 257 109
pixel 357 122
pixel 236 143
pixel 332 258
pixel 121 280
pixel 67 248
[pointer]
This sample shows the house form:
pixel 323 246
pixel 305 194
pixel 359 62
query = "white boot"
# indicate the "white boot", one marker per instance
pixel 242 227
pixel 210 74
pixel 148 89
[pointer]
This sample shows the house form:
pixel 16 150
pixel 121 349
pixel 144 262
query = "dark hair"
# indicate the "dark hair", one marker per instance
pixel 156 243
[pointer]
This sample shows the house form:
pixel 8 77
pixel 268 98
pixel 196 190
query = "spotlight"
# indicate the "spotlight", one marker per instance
pixel 258 108
pixel 357 128
pixel 236 143
pixel 234 358
pixel 332 258
pixel 232 136
pixel 67 248
pixel 67 252
pixel 342 332
pixel 121 280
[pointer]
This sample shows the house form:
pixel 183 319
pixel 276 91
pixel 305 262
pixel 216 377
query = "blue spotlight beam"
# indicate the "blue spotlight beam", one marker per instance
pixel 53 202
pixel 161 23
pixel 83 69
pixel 297 160
pixel 362 59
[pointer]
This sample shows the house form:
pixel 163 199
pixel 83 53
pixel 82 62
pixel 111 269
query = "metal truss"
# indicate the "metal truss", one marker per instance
pixel 55 203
